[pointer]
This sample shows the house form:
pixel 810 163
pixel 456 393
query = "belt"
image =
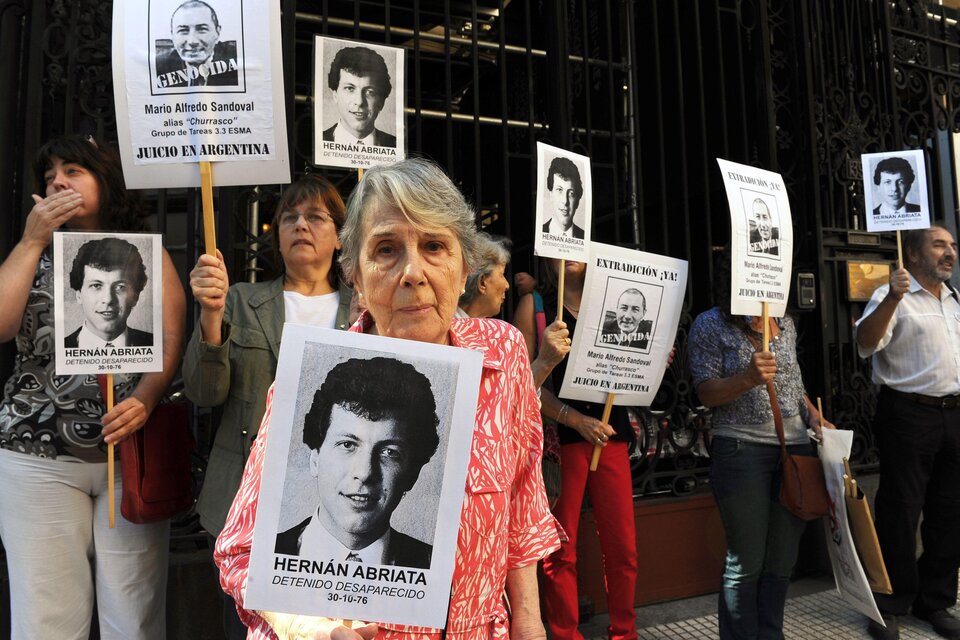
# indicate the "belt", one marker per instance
pixel 944 402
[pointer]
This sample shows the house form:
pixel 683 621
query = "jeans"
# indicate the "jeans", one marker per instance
pixel 762 537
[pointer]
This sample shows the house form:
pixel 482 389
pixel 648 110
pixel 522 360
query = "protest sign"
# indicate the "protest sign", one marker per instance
pixel 108 311
pixel 895 190
pixel 626 326
pixel 364 469
pixel 564 204
pixel 848 573
pixel 358 91
pixel 761 238
pixel 199 83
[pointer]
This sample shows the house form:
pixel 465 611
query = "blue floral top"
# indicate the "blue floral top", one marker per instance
pixel 719 349
pixel 47 415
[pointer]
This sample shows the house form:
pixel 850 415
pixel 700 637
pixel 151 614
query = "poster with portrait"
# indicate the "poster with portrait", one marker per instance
pixel 108 302
pixel 363 473
pixel 626 327
pixel 848 574
pixel 895 190
pixel 358 91
pixel 564 204
pixel 761 239
pixel 199 81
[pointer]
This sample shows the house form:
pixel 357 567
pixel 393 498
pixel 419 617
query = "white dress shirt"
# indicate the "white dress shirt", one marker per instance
pixel 920 350
pixel 317 543
pixel 341 135
pixel 567 233
pixel 87 339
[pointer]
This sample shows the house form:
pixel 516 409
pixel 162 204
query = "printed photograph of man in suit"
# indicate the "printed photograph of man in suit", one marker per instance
pixel 764 234
pixel 197 57
pixel 566 189
pixel 108 276
pixel 626 327
pixel 371 428
pixel 360 83
pixel 894 177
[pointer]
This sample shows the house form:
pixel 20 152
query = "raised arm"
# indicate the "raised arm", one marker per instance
pixel 716 392
pixel 871 329
pixel 17 271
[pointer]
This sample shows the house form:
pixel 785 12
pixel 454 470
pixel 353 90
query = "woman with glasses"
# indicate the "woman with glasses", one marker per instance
pixel 231 359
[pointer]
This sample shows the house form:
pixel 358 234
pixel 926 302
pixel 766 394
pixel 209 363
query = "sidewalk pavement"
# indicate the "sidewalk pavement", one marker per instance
pixel 814 611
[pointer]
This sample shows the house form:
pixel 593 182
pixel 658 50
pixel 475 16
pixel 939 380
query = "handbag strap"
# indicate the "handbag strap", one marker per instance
pixel 772 392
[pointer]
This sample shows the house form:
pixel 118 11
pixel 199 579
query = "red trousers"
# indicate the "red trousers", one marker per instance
pixel 611 493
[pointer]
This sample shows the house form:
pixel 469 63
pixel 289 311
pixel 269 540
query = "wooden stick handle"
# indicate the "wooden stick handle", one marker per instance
pixel 563 268
pixel 607 408
pixel 206 198
pixel 899 251
pixel 111 479
pixel 820 411
pixel 766 325
pixel 359 178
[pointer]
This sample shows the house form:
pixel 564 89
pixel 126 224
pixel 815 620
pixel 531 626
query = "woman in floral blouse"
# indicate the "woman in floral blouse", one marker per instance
pixel 408 245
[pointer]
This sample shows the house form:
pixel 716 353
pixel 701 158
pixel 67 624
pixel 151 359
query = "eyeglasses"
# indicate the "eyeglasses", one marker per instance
pixel 312 218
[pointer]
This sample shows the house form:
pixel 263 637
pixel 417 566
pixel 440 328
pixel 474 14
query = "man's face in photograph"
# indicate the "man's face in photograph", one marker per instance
pixel 564 199
pixel 893 189
pixel 362 470
pixel 107 298
pixel 359 102
pixel 761 215
pixel 629 312
pixel 194 34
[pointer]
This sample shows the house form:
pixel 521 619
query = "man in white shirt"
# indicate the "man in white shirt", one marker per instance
pixel 566 189
pixel 911 328
pixel 360 83
pixel 108 276
pixel 371 428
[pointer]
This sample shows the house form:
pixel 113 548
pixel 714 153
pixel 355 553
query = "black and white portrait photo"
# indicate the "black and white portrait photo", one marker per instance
pixel 895 190
pixel 370 439
pixel 359 94
pixel 108 301
pixel 107 277
pixel 563 204
pixel 629 318
pixel 625 324
pixel 764 225
pixel 197 46
pixel 564 192
pixel 371 427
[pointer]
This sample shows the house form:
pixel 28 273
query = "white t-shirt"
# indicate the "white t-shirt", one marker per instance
pixel 316 311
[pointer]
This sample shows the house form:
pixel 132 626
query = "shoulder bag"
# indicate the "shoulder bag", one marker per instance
pixel 155 462
pixel 803 490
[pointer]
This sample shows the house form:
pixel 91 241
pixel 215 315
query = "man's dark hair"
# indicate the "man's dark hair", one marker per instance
pixel 120 209
pixel 895 165
pixel 190 4
pixel 109 254
pixel 361 62
pixel 566 169
pixel 378 389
